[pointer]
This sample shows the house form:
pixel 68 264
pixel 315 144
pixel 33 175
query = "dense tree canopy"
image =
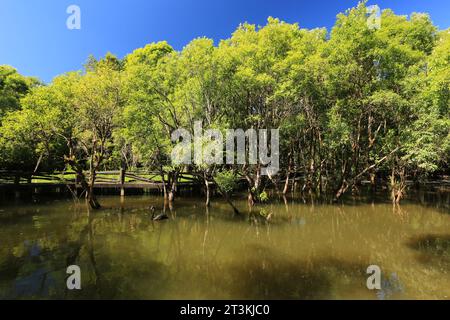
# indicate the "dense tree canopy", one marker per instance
pixel 13 87
pixel 355 104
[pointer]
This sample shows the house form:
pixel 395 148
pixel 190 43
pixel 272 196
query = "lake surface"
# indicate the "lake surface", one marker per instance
pixel 303 251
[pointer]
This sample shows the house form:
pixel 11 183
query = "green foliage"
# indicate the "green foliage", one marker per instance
pixel 13 87
pixel 226 180
pixel 263 196
pixel 355 102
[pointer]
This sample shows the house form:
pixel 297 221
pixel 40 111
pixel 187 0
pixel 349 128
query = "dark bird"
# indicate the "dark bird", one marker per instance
pixel 155 217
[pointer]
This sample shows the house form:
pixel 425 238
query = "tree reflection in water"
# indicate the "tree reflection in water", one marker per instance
pixel 277 250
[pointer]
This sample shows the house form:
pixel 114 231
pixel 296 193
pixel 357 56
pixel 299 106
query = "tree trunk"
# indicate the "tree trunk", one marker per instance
pixel 286 184
pixel 250 198
pixel 173 186
pixel 164 186
pixel 207 203
pixel 397 186
pixel 122 180
pixel 90 195
pixel 253 187
pixel 227 198
pixel 274 182
pixel 343 189
pixel 288 173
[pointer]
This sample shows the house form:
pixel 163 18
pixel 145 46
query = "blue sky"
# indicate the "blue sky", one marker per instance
pixel 34 37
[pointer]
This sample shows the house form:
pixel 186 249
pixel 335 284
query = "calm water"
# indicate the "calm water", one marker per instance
pixel 304 252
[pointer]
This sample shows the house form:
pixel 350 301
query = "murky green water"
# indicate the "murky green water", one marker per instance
pixel 304 252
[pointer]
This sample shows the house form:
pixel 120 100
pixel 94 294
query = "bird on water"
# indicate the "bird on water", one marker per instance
pixel 155 217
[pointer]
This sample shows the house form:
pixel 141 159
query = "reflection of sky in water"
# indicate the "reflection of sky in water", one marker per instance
pixel 34 249
pixel 301 221
pixel 38 283
pixel 390 286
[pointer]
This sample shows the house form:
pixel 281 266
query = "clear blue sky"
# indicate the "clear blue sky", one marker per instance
pixel 35 40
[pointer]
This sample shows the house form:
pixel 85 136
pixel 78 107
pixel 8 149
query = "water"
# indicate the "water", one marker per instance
pixel 304 251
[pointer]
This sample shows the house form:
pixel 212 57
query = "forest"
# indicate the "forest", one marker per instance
pixel 352 104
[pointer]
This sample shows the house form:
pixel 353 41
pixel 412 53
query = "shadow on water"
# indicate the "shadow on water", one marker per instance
pixel 268 274
pixel 38 282
pixel 434 250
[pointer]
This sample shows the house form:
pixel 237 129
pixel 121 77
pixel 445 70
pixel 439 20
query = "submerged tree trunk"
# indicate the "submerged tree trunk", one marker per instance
pixel 163 179
pixel 286 184
pixel 343 189
pixel 250 198
pixel 164 189
pixel 94 164
pixel 207 189
pixel 351 182
pixel 171 195
pixel 227 198
pixel 90 195
pixel 274 182
pixel 87 187
pixel 173 177
pixel 397 186
pixel 288 173
pixel 253 186
pixel 72 161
